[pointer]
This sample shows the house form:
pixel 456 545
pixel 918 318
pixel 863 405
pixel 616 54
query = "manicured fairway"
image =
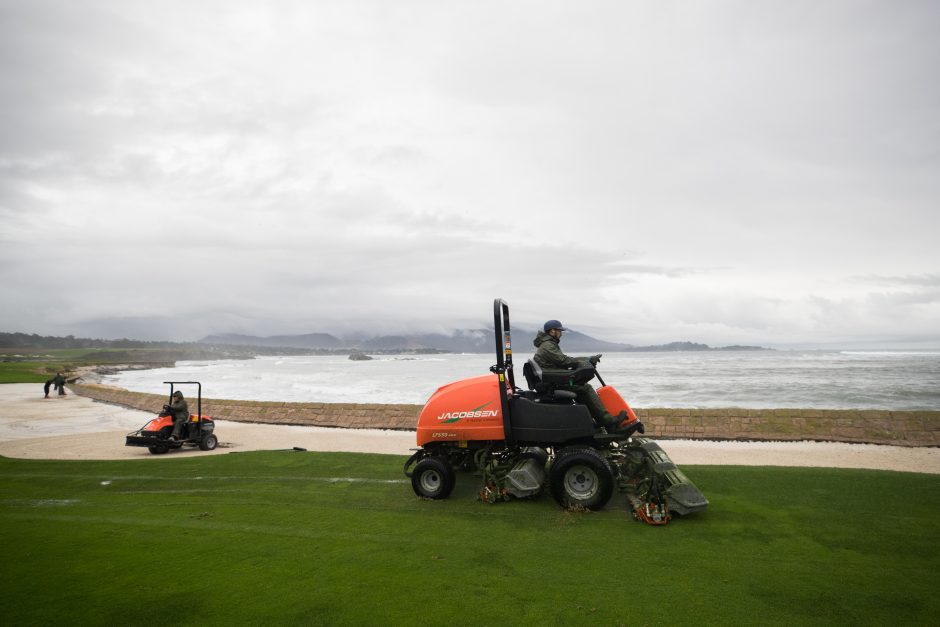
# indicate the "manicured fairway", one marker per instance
pixel 327 538
pixel 42 364
pixel 27 371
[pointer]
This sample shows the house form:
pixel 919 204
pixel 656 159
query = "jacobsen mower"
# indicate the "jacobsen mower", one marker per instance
pixel 521 441
pixel 197 431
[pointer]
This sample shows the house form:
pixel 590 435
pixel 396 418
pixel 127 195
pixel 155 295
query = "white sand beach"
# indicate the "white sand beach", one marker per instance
pixel 75 427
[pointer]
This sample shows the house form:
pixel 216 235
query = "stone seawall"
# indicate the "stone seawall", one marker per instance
pixel 348 415
pixel 900 428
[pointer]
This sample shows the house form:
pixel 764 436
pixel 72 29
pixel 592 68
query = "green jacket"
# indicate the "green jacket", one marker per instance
pixel 549 355
pixel 179 409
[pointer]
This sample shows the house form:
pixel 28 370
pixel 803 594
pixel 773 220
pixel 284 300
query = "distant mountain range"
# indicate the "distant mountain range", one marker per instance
pixel 463 341
pixel 232 345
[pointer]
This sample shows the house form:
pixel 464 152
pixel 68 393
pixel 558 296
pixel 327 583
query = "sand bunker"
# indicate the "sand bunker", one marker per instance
pixel 75 427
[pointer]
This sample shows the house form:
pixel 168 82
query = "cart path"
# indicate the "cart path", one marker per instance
pixel 76 427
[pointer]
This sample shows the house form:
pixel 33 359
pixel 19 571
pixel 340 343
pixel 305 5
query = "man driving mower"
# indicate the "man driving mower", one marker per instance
pixel 549 356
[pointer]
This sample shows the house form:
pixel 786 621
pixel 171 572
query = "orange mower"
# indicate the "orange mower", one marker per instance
pixel 197 431
pixel 524 440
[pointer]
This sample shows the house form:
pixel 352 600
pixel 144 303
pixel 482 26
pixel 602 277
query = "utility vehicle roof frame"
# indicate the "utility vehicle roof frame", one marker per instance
pixel 199 393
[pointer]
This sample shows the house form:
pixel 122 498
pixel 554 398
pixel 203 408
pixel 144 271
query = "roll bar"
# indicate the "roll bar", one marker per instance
pixel 199 392
pixel 503 367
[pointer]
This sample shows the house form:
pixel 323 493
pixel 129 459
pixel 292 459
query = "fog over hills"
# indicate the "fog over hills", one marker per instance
pixel 233 345
pixel 461 341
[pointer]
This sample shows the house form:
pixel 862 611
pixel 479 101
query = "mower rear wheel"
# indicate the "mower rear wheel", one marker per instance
pixel 157 450
pixel 433 478
pixel 581 477
pixel 208 442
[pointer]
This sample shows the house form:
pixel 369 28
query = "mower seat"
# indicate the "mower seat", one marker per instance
pixel 544 384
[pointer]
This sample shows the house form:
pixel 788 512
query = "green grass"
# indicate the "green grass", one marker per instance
pixel 39 364
pixel 27 371
pixel 329 538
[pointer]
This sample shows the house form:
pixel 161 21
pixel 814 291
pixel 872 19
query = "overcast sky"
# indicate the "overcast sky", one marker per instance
pixel 722 172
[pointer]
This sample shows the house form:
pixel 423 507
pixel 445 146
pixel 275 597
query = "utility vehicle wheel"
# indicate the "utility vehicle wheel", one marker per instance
pixel 208 442
pixel 581 477
pixel 157 450
pixel 432 478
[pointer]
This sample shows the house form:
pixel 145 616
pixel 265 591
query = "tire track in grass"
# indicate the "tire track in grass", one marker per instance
pixel 111 479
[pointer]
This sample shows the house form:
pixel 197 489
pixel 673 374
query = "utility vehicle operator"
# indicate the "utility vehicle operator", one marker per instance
pixel 180 412
pixel 549 356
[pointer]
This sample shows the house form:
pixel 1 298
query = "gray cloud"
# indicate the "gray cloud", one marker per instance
pixel 720 172
pixel 921 280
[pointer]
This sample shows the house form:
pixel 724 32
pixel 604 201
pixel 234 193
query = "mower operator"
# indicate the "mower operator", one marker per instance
pixel 180 412
pixel 549 356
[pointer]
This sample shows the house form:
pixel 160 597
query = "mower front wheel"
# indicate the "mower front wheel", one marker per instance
pixel 433 478
pixel 581 477
pixel 208 442
pixel 157 450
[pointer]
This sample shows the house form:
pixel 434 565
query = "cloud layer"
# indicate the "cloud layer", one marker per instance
pixel 725 172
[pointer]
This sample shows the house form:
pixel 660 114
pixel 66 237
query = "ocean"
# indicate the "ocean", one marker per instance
pixel 887 380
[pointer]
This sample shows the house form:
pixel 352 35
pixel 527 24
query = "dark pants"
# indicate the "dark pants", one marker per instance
pixel 588 397
pixel 178 426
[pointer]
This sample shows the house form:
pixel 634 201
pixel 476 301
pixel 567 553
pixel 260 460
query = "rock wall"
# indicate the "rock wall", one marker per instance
pixel 348 415
pixel 902 428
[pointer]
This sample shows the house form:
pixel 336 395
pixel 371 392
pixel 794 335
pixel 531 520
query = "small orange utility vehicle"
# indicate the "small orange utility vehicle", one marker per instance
pixel 521 440
pixel 198 431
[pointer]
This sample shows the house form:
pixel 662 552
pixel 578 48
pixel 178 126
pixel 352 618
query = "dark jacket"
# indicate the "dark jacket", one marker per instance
pixel 549 355
pixel 179 409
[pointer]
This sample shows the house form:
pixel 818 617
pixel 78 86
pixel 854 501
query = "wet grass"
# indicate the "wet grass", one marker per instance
pixel 330 538
pixel 37 365
pixel 26 371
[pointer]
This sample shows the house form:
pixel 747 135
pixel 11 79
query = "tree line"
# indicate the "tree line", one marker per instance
pixel 25 340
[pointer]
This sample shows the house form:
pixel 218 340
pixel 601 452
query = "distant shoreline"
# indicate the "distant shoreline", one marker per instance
pixel 235 346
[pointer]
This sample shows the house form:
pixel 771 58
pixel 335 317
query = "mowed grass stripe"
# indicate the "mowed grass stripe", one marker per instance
pixel 111 479
pixel 273 539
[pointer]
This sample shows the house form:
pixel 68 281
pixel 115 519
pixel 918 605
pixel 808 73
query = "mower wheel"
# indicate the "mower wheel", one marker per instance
pixel 208 442
pixel 581 477
pixel 157 450
pixel 433 478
